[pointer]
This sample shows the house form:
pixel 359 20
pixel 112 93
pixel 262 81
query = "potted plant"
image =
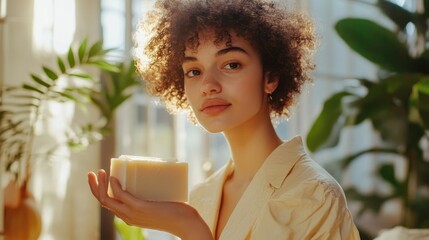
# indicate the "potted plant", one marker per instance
pixel 396 104
pixel 21 108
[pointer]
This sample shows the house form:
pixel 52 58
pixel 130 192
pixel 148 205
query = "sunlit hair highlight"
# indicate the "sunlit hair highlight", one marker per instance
pixel 285 41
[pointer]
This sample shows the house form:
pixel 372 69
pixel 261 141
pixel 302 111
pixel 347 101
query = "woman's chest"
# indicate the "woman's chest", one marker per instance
pixel 231 196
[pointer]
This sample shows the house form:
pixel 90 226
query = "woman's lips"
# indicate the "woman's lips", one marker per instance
pixel 214 106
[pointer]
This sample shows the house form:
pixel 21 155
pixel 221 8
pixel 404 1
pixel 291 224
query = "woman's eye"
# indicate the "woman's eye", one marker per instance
pixel 193 73
pixel 233 65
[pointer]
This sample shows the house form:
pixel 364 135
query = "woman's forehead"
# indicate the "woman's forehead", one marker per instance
pixel 228 39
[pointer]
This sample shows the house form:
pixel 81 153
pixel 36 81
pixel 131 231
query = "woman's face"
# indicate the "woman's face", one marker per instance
pixel 225 85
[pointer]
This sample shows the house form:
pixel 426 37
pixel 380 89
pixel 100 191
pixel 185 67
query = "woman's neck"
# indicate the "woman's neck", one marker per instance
pixel 250 146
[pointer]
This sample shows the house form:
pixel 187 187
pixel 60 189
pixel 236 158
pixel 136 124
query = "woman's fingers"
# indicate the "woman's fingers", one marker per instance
pixel 93 184
pixel 164 216
pixel 102 185
pixel 123 196
pixel 98 186
pixel 105 200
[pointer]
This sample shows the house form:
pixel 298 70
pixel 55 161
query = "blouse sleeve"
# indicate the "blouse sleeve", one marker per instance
pixel 316 211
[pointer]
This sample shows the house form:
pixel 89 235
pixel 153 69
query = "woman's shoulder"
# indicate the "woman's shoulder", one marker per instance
pixel 294 173
pixel 308 179
pixel 310 202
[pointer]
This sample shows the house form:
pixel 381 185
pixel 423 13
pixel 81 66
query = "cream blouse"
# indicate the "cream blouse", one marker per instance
pixel 290 197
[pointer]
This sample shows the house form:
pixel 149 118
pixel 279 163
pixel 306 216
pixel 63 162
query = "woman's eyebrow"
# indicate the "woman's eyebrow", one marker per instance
pixel 231 49
pixel 189 59
pixel 219 53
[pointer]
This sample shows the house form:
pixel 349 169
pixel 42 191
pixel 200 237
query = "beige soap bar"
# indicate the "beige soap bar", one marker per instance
pixel 150 178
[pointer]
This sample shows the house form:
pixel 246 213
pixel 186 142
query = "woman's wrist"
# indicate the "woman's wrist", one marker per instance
pixel 194 228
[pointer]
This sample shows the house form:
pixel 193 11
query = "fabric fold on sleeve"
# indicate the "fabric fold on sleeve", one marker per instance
pixel 318 212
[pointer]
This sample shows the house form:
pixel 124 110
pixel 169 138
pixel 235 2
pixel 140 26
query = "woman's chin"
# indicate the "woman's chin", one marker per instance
pixel 212 129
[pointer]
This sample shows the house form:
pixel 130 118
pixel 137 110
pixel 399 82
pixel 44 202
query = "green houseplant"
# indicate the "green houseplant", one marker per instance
pixel 21 108
pixel 396 104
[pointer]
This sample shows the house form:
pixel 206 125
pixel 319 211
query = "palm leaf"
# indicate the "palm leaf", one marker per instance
pixel 40 81
pixel 95 49
pixel 375 43
pixel 323 132
pixel 61 65
pixel 50 73
pixel 82 49
pixel 32 88
pixel 70 58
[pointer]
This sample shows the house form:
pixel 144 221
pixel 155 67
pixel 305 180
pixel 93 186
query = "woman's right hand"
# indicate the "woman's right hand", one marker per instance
pixel 176 218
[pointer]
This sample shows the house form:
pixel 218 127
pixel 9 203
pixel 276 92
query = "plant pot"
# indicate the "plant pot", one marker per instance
pixel 12 195
pixel 22 222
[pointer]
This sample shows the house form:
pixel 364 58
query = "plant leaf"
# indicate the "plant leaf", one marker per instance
pixel 61 65
pixel 128 232
pixel 375 43
pixel 81 75
pixel 400 85
pixel 105 65
pixel 95 49
pixel 387 110
pixel 68 96
pixel 377 99
pixel 70 57
pixel 78 101
pixel 387 172
pixel 40 81
pixel 396 13
pixel 426 8
pixel 105 51
pixel 51 74
pixel 425 55
pixel 82 49
pixel 322 133
pixel 31 88
pixel 422 101
pixel 22 104
pixel 100 104
pixel 119 100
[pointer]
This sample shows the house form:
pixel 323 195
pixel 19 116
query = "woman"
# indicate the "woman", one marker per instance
pixel 236 65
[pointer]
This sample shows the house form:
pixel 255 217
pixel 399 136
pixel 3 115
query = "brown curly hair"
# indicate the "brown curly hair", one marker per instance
pixel 284 40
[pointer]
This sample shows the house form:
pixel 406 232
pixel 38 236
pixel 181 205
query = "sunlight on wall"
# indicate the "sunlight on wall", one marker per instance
pixel 3 7
pixel 54 25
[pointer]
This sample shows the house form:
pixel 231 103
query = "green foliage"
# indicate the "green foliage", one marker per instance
pixel 114 89
pixel 329 118
pixel 128 232
pixel 396 104
pixel 387 51
pixel 21 106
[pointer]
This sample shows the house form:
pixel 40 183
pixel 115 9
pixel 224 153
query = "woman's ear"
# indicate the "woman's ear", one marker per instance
pixel 270 82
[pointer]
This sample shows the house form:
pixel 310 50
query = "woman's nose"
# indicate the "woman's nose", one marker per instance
pixel 211 84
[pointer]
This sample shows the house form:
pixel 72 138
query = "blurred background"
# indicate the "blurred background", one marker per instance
pixel 71 100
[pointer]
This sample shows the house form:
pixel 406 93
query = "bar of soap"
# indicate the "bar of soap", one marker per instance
pixel 153 179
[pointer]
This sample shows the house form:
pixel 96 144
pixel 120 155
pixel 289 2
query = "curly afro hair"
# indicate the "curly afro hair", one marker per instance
pixel 284 40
